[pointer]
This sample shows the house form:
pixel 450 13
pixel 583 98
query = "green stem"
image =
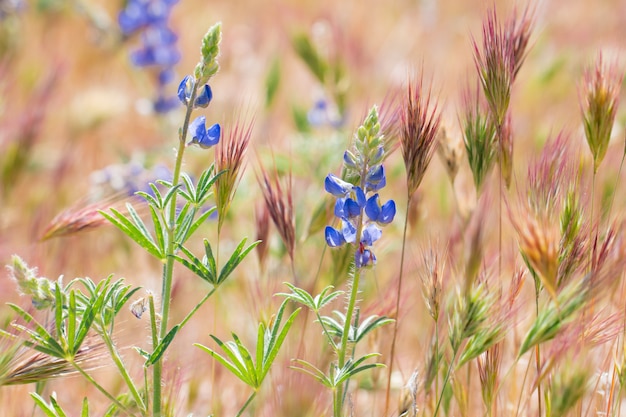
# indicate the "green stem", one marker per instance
pixel 168 268
pixel 156 369
pixel 538 358
pixel 101 389
pixel 123 371
pixel 248 401
pixel 346 328
pixel 395 325
pixel 445 382
pixel 325 331
pixel 193 311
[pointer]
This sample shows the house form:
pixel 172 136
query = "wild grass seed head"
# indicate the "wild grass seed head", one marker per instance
pixel 495 63
pixel 479 136
pixel 230 162
pixel 599 98
pixel 279 203
pixel 39 289
pixel 420 120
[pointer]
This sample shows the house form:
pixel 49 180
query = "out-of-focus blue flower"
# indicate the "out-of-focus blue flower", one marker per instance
pixel 158 43
pixel 324 114
pixel 203 137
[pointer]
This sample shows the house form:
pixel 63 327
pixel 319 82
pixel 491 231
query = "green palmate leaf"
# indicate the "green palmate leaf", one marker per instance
pixel 238 359
pixel 71 321
pixel 351 368
pixel 246 359
pixel 189 191
pixel 205 269
pixel 45 407
pixel 184 220
pixel 57 408
pixel 316 304
pixel 235 259
pixel 369 324
pixel 194 226
pixel 234 365
pixel 277 338
pixel 153 199
pixel 162 347
pixel 135 232
pixel 85 410
pixel 310 369
pixel 160 229
pixel 43 341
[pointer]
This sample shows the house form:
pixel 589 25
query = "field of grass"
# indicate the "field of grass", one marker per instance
pixel 497 287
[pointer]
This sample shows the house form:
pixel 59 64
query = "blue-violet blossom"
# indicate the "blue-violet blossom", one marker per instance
pixel 351 205
pixel 203 137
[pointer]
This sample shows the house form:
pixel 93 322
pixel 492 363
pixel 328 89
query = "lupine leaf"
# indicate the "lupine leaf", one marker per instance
pixel 235 259
pixel 159 229
pixel 85 410
pixel 277 341
pixel 121 222
pixel 162 346
pixel 244 353
pixel 310 369
pixel 47 409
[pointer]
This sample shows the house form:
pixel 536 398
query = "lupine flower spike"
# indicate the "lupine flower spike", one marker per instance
pixel 358 207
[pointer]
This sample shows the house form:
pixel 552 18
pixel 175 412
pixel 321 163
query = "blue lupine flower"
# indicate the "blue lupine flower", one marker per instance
pixel 333 237
pixel 376 178
pixel 364 258
pixel 358 206
pixel 203 137
pixel 158 42
pixel 184 89
pixel 336 186
pixel 164 104
pixel 204 96
pixel 380 214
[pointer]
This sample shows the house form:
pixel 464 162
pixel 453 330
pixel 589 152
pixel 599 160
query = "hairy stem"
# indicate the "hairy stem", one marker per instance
pixel 168 268
pixel 123 371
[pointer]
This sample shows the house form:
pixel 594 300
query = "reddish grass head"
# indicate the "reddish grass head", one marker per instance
pixel 279 203
pixel 420 121
pixel 229 157
pixel 495 63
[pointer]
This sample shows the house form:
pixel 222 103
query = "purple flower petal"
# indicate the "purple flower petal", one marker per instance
pixel 348 231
